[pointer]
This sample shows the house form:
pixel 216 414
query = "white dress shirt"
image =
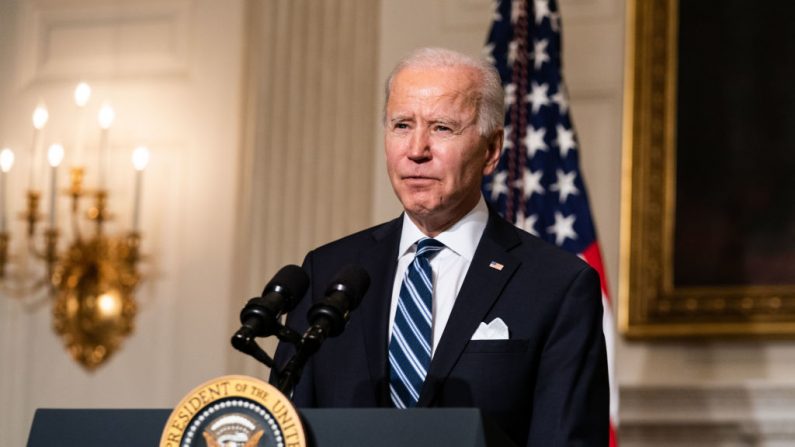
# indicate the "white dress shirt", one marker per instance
pixel 449 266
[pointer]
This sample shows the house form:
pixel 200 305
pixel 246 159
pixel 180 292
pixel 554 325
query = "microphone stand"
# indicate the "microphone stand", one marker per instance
pixel 305 348
pixel 245 342
pixel 327 319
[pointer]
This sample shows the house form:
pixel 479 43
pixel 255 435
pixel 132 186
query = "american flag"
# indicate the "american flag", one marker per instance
pixel 537 184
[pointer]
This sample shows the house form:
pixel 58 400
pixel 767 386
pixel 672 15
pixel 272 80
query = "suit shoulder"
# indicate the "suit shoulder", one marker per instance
pixel 547 255
pixel 359 239
pixel 561 273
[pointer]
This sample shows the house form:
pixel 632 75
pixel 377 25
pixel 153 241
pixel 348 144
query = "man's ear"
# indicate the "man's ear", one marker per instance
pixel 493 151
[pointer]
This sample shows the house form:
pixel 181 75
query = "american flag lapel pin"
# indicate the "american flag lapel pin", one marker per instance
pixel 496 266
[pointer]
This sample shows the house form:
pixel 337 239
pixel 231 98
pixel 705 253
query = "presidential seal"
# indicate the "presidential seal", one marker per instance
pixel 234 411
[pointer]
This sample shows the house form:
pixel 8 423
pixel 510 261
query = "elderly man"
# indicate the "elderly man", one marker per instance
pixel 464 309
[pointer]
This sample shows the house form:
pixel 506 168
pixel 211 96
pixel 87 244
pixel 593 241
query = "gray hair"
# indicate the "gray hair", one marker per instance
pixel 489 96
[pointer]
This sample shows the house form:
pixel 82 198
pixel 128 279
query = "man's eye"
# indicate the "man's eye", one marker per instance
pixel 401 126
pixel 440 128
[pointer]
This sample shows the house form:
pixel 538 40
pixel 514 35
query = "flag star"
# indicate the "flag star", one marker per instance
pixel 530 183
pixel 565 140
pixel 554 21
pixel 507 142
pixel 565 185
pixel 488 52
pixel 534 141
pixel 517 10
pixel 499 184
pixel 542 10
pixel 563 228
pixel 527 223
pixel 540 53
pixel 495 11
pixel 513 51
pixel 561 100
pixel 538 96
pixel 510 95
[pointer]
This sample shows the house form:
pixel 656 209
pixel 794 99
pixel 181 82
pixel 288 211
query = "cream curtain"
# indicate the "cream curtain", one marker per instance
pixel 308 129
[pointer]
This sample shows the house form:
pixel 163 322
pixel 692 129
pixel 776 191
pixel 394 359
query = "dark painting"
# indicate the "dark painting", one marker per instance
pixel 735 140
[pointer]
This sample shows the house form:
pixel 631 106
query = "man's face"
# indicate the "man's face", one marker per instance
pixel 435 156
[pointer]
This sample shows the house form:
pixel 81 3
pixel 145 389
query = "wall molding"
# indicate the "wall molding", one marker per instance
pixel 707 415
pixel 90 39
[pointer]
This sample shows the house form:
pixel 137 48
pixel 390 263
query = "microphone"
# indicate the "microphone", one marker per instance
pixel 260 316
pixel 327 318
pixel 343 295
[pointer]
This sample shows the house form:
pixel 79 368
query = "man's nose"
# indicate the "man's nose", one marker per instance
pixel 420 147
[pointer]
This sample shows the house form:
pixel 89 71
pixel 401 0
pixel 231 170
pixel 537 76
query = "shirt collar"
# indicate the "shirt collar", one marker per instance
pixel 463 237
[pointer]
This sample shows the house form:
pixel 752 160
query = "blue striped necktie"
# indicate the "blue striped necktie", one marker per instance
pixel 412 330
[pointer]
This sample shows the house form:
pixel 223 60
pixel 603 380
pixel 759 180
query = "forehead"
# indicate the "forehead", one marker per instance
pixel 433 85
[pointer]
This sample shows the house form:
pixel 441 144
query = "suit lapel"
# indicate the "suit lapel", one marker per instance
pixel 380 260
pixel 481 288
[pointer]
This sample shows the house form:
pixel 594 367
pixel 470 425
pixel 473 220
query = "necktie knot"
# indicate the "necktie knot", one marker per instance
pixel 427 247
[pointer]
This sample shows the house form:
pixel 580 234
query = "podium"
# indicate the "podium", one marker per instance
pixel 382 427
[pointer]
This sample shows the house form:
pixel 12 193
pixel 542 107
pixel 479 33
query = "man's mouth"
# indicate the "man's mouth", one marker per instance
pixel 418 179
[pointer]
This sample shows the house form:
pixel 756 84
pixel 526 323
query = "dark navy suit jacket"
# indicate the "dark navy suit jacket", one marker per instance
pixel 545 386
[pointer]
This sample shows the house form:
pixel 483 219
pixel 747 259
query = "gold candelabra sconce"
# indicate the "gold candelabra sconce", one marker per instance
pixel 89 279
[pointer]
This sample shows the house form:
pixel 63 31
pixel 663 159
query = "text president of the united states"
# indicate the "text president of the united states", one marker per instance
pixel 464 309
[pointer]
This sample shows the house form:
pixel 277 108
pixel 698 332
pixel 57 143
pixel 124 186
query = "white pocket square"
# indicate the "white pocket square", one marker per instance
pixel 496 330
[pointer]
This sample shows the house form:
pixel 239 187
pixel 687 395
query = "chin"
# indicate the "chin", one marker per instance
pixel 420 209
pixel 420 203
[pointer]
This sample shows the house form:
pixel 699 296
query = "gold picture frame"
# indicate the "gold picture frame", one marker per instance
pixel 650 305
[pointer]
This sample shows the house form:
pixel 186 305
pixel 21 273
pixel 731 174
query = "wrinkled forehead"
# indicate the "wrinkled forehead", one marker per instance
pixel 451 86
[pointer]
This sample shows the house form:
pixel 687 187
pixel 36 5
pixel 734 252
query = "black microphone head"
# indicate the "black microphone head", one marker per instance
pixel 291 282
pixel 353 281
pixel 343 295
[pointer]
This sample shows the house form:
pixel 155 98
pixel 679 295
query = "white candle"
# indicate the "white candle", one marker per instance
pixel 105 118
pixel 82 95
pixel 40 118
pixel 3 202
pixel 32 173
pixel 54 156
pixel 140 159
pixel 102 156
pixel 6 161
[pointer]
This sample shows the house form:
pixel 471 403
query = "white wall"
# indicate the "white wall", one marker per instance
pixel 172 69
